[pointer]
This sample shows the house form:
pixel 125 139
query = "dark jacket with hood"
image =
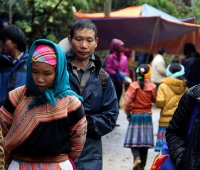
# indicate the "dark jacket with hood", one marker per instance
pixel 184 148
pixel 101 109
pixel 12 75
pixel 192 71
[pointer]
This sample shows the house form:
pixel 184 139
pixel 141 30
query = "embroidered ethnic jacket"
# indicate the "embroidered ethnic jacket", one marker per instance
pixel 43 131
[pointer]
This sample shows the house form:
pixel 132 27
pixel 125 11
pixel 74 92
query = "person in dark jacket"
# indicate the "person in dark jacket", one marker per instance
pixel 12 60
pixel 191 64
pixel 183 146
pixel 101 105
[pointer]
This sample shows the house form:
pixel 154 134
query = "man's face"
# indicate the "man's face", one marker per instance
pixel 83 43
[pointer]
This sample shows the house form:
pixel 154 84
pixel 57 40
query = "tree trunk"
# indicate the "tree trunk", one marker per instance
pixel 10 11
pixel 107 7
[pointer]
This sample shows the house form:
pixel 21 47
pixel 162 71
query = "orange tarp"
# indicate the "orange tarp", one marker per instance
pixel 144 28
pixel 126 12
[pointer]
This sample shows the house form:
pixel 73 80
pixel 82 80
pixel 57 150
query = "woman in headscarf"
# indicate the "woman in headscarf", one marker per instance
pixel 117 65
pixel 43 122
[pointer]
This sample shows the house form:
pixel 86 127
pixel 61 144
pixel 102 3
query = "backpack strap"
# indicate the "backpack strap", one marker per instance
pixel 103 78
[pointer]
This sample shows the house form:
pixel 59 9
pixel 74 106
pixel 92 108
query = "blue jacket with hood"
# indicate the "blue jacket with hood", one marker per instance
pixel 101 109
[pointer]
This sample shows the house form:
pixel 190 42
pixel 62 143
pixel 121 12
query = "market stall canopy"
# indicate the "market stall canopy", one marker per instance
pixel 145 28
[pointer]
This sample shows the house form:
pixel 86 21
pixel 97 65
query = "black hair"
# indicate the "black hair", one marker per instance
pixel 161 51
pixel 15 34
pixel 140 74
pixel 175 59
pixel 82 24
pixel 189 48
pixel 175 67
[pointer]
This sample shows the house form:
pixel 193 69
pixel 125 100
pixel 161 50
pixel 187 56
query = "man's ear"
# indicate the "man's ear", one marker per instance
pixel 97 40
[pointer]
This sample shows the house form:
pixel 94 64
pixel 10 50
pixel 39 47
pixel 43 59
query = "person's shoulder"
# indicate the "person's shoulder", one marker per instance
pixel 25 54
pixel 71 99
pixel 194 88
pixel 69 54
pixel 20 89
pixel 135 85
pixel 157 58
pixel 124 57
pixel 194 92
pixel 73 102
pixel 104 77
pixel 103 71
pixel 111 55
pixel 164 86
pixel 17 95
pixel 150 84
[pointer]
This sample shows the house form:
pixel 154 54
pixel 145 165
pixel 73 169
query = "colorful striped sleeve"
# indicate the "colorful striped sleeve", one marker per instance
pixel 6 116
pixel 128 98
pixel 77 132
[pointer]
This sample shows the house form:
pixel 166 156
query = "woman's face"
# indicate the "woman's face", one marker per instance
pixel 43 74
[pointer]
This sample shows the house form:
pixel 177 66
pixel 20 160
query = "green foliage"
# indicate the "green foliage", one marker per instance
pixel 119 4
pixel 51 18
pixel 183 10
pixel 42 18
pixel 196 9
pixel 163 5
pixel 88 5
pixel 178 9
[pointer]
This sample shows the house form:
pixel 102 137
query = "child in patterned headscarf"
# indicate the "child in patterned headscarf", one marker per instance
pixel 43 122
pixel 137 105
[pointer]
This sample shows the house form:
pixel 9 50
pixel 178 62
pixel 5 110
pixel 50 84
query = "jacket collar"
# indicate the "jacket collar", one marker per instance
pixel 97 62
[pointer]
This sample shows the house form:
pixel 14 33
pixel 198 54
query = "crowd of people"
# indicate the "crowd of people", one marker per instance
pixel 57 104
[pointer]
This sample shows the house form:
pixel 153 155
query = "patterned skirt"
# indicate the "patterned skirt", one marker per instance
pixel 19 165
pixel 140 131
pixel 160 138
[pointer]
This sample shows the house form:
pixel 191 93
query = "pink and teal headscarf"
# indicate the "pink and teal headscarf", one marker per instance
pixel 45 54
pixel 56 57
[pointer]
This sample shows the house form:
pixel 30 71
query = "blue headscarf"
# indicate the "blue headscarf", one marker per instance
pixel 61 87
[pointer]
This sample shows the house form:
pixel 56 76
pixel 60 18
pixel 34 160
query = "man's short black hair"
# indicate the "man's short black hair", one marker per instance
pixel 83 24
pixel 189 48
pixel 161 51
pixel 15 34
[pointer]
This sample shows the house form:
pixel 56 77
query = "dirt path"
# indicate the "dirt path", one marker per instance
pixel 115 156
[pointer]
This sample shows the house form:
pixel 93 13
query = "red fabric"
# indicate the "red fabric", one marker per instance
pixel 158 161
pixel 73 165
